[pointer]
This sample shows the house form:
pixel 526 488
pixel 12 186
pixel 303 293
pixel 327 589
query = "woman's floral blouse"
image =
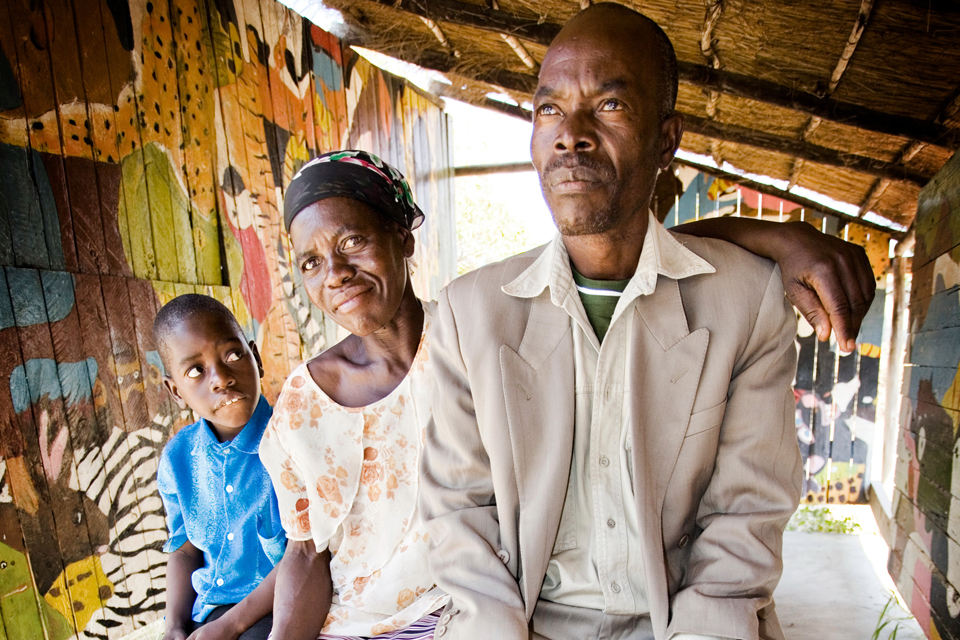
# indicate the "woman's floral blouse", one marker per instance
pixel 347 479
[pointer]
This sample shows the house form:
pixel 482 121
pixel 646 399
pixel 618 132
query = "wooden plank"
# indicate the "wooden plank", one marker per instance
pixel 194 110
pixel 143 305
pixel 86 433
pixel 58 543
pixel 168 201
pixel 93 431
pixel 246 105
pixel 928 348
pixel 232 168
pixel 943 383
pixel 134 205
pixel 21 613
pixel 143 443
pixel 165 291
pixel 277 116
pixel 941 274
pixel 27 244
pixel 101 100
pixel 76 132
pixel 37 241
pixel 944 236
pixel 97 343
pixel 942 311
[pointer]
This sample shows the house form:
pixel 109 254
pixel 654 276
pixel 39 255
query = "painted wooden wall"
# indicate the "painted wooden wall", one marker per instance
pixel 836 394
pixel 925 559
pixel 144 149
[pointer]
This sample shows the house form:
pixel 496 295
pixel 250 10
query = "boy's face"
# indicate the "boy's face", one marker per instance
pixel 214 371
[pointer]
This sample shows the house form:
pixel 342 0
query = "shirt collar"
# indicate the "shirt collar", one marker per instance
pixel 248 440
pixel 662 254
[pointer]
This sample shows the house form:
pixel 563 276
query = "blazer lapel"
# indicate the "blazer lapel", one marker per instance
pixel 538 389
pixel 664 368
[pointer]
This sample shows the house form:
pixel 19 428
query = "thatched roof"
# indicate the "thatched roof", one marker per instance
pixel 855 99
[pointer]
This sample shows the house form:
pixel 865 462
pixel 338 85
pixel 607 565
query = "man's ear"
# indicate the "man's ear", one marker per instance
pixel 671 131
pixel 172 388
pixel 256 356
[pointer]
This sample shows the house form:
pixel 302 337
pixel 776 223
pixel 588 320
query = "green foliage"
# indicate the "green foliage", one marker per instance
pixel 890 619
pixel 814 519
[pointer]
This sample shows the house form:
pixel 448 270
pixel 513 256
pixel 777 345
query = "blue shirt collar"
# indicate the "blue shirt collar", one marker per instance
pixel 248 440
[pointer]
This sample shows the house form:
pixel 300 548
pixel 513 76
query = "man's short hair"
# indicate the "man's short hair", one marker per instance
pixel 181 309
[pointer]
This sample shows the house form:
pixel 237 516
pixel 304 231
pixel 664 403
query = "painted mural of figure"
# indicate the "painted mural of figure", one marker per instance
pixel 17 593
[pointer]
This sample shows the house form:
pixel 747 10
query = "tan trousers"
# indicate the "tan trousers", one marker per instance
pixel 552 621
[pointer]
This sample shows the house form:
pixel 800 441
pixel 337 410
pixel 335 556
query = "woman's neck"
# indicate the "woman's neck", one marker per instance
pixel 393 346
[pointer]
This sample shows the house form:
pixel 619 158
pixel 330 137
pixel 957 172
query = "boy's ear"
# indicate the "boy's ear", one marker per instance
pixel 172 388
pixel 256 356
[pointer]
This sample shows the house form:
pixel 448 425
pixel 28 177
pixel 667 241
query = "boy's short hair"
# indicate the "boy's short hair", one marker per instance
pixel 181 309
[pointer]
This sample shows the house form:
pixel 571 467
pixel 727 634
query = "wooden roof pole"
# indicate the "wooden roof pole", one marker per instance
pixel 708 47
pixel 802 149
pixel 516 45
pixel 532 29
pixel 866 8
pixel 439 35
pixel 880 186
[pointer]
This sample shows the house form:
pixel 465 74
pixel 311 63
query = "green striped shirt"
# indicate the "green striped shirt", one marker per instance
pixel 599 298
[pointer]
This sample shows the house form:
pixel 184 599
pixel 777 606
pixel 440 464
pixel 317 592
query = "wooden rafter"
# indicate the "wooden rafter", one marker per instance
pixel 803 150
pixel 532 29
pixel 863 16
pixel 517 46
pixel 909 152
pixel 866 8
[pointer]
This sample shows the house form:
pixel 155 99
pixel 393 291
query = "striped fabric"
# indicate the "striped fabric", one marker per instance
pixel 422 629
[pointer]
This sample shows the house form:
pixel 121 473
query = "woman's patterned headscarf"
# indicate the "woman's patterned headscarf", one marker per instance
pixel 352 174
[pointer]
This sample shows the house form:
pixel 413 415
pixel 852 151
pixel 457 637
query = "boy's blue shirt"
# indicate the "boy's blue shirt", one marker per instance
pixel 218 495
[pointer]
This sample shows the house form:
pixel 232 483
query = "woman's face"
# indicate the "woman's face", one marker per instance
pixel 353 263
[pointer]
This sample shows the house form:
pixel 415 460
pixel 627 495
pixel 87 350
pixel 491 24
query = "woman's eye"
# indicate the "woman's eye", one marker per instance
pixel 194 372
pixel 233 356
pixel 309 265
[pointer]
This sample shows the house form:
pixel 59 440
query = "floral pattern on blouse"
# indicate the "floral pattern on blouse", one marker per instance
pixel 347 479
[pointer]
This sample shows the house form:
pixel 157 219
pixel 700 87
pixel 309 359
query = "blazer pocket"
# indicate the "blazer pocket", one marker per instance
pixel 705 420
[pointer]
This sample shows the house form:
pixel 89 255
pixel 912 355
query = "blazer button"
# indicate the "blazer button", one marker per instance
pixel 440 631
pixel 504 556
pixel 683 541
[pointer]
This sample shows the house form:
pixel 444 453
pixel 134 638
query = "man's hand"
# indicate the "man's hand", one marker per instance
pixel 828 280
pixel 219 629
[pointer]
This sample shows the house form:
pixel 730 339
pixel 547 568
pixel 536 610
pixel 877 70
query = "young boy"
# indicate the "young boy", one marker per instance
pixel 225 531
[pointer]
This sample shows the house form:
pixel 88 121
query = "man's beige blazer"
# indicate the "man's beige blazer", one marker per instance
pixel 717 467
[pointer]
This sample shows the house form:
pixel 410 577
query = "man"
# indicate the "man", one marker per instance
pixel 613 451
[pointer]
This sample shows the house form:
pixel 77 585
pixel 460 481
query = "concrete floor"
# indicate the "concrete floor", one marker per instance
pixel 835 586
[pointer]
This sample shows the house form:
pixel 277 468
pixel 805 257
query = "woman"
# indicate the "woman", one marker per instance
pixel 344 443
